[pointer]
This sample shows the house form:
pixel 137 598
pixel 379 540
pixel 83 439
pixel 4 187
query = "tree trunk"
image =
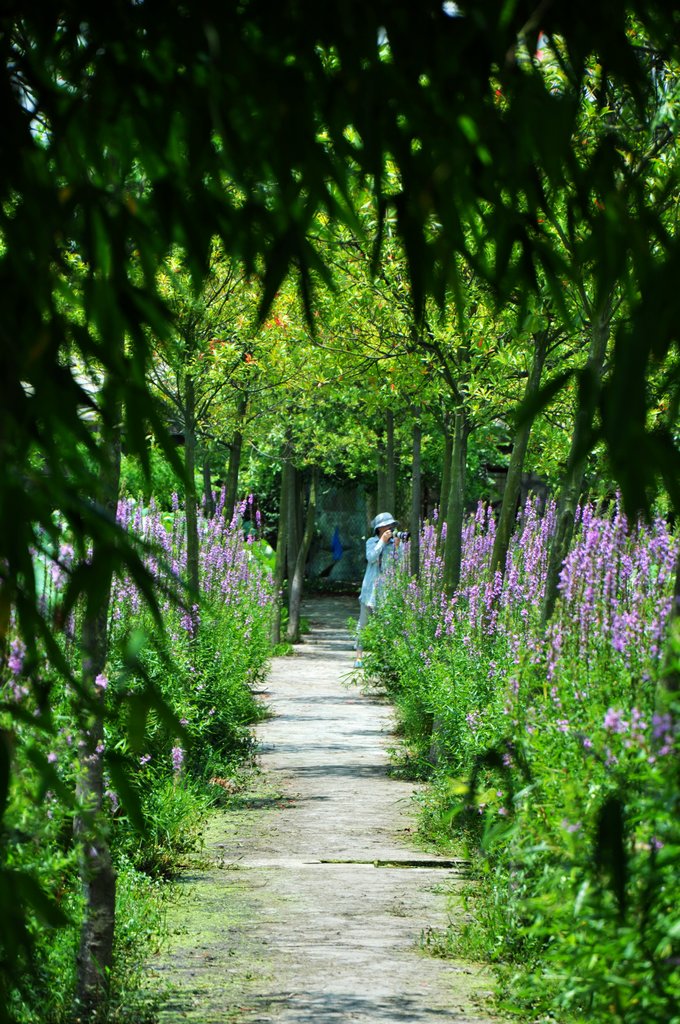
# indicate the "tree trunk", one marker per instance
pixel 446 478
pixel 581 444
pixel 381 476
pixel 190 498
pixel 235 449
pixel 390 464
pixel 281 545
pixel 300 507
pixel 416 493
pixel 297 579
pixel 456 503
pixel 293 540
pixel 208 500
pixel 453 545
pixel 98 877
pixel 513 483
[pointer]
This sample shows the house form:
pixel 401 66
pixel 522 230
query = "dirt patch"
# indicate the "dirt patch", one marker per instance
pixel 315 898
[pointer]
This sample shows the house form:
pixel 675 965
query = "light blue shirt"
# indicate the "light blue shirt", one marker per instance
pixel 377 553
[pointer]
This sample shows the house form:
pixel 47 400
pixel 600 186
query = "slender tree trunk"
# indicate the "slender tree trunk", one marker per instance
pixel 208 500
pixel 453 545
pixel 297 580
pixel 300 510
pixel 456 504
pixel 370 508
pixel 98 876
pixel 446 478
pixel 235 449
pixel 416 493
pixel 513 483
pixel 190 497
pixel 293 541
pixel 281 545
pixel 381 476
pixel 581 444
pixel 390 464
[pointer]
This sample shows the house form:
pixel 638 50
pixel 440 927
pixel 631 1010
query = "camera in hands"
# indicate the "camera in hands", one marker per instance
pixel 401 535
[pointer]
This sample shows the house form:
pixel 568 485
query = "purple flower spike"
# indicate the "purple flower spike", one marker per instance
pixel 614 722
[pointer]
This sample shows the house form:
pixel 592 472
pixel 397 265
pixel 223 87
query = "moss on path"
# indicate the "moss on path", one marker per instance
pixel 313 898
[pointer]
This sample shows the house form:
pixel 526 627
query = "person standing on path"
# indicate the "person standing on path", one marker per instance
pixel 379 548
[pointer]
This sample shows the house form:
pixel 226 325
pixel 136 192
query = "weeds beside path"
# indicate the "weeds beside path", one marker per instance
pixel 313 898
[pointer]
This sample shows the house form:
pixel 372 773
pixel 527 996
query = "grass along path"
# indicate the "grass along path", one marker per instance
pixel 313 898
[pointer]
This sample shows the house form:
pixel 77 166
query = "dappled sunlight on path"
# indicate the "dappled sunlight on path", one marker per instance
pixel 315 897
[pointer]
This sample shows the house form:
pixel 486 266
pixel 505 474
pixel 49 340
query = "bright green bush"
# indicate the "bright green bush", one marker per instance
pixel 48 993
pixel 161 482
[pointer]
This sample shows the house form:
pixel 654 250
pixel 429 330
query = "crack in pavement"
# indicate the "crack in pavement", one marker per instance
pixel 313 906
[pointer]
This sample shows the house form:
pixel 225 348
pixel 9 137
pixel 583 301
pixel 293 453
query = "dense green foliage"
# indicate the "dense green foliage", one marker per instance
pixel 551 757
pixel 160 780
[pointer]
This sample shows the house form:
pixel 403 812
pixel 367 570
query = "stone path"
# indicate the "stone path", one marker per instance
pixel 312 903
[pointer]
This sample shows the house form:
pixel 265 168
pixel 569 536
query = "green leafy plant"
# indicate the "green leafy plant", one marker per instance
pixel 552 759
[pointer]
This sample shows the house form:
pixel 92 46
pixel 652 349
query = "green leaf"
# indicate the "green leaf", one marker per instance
pixel 610 853
pixel 34 896
pixel 668 854
pixel 101 244
pixel 49 776
pixel 138 712
pixel 278 263
pixel 530 409
pixel 118 769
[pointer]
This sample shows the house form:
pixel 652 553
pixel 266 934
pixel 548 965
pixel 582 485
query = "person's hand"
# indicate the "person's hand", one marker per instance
pixel 386 536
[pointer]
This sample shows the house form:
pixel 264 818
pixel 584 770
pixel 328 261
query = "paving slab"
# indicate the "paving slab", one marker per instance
pixel 312 902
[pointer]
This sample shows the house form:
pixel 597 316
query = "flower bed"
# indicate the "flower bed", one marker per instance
pixel 550 753
pixel 178 702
